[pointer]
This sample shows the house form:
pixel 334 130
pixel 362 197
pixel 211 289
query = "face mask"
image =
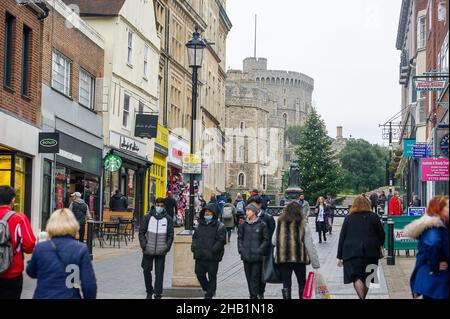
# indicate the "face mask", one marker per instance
pixel 208 218
pixel 159 210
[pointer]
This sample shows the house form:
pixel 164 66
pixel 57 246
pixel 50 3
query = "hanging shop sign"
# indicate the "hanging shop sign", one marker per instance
pixel 128 144
pixel 192 164
pixel 146 126
pixel 48 143
pixel 436 85
pixel 408 146
pixel 435 169
pixel 421 151
pixel 113 163
pixel 444 145
pixel 177 148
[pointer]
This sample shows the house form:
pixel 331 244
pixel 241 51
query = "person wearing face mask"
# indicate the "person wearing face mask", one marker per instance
pixel 208 247
pixel 156 237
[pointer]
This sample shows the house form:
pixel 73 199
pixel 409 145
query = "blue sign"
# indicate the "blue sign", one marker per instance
pixel 416 211
pixel 408 146
pixel 421 151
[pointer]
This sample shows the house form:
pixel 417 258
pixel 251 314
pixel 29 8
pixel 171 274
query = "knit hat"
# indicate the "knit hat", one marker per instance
pixel 253 208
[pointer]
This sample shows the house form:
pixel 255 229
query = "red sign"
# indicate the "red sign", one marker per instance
pixel 59 200
pixel 91 202
pixel 435 169
pixel 177 153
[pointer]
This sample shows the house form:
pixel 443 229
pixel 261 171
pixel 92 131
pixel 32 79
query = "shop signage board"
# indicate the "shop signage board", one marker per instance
pixel 177 148
pixel 49 143
pixel 421 151
pixel 192 164
pixel 408 145
pixel 436 85
pixel 435 169
pixel 113 163
pixel 146 126
pixel 128 144
pixel 416 211
pixel 401 241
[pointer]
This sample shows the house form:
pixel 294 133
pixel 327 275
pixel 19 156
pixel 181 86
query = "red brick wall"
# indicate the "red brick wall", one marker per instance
pixel 11 100
pixel 74 45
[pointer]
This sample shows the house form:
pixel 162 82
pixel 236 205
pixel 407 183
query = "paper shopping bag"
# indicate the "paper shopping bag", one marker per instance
pixel 320 287
pixel 308 291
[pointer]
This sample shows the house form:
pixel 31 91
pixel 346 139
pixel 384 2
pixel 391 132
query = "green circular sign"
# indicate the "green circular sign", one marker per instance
pixel 113 163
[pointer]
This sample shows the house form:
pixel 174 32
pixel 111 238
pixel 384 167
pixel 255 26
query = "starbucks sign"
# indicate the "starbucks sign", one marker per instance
pixel 113 163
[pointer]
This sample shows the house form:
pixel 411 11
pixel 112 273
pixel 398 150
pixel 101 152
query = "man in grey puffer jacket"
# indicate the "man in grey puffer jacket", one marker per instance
pixel 156 238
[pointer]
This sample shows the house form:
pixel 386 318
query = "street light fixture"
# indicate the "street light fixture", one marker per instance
pixel 195 48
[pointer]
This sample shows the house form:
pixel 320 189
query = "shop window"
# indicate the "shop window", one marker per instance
pixel 46 193
pixel 5 169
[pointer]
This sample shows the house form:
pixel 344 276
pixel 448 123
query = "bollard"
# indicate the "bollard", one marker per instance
pixel 391 250
pixel 90 237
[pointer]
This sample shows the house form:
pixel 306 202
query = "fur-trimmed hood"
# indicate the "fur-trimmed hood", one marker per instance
pixel 418 227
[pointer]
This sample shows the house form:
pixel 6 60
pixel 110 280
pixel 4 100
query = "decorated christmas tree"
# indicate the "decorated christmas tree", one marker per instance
pixel 320 172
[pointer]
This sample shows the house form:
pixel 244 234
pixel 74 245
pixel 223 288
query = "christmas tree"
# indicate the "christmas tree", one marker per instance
pixel 320 172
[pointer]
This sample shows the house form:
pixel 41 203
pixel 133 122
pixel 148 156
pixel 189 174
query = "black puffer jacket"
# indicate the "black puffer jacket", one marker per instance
pixel 209 239
pixel 253 241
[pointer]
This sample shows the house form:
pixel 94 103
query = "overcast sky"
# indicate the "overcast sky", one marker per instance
pixel 347 46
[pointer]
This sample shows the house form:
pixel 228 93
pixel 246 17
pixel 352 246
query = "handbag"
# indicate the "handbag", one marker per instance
pixel 308 291
pixel 271 272
pixel 320 287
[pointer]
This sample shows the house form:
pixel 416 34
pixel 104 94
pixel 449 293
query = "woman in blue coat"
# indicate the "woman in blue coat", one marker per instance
pixel 430 276
pixel 62 265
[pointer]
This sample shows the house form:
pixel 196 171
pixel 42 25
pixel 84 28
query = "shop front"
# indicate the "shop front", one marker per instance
pixel 158 171
pixel 175 183
pixel 130 177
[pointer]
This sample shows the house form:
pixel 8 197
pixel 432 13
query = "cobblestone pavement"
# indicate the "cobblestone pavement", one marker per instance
pixel 119 275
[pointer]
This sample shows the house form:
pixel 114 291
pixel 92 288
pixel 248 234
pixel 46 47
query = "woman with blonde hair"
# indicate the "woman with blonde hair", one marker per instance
pixel 321 219
pixel 62 265
pixel 360 245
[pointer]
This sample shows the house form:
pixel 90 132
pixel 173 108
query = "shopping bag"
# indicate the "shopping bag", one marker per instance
pixel 308 291
pixel 320 287
pixel 271 272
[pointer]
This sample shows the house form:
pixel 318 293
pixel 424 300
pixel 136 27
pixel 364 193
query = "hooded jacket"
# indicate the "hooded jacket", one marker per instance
pixel 118 203
pixel 426 279
pixel 156 234
pixel 253 241
pixel 209 239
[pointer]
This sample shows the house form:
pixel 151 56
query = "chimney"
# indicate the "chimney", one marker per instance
pixel 339 133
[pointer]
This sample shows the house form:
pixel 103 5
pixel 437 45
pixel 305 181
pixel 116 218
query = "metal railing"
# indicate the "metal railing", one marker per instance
pixel 339 212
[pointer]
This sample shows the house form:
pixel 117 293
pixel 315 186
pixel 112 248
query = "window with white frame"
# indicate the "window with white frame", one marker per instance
pixel 126 111
pixel 130 48
pixel 421 32
pixel 61 68
pixel 86 92
pixel 146 53
pixel 443 56
pixel 241 180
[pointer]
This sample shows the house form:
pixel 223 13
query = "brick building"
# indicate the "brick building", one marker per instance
pixel 20 99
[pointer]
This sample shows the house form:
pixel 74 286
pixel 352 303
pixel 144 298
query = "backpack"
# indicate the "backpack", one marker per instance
pixel 240 207
pixel 80 211
pixel 6 248
pixel 227 212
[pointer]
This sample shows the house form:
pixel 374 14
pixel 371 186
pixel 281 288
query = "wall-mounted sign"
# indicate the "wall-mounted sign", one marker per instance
pixel 435 169
pixel 416 211
pixel 146 126
pixel 192 164
pixel 127 144
pixel 408 146
pixel 444 145
pixel 48 143
pixel 421 151
pixel 113 163
pixel 177 147
pixel 436 85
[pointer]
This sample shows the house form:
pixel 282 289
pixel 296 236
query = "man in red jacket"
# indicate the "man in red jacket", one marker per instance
pixel 23 241
pixel 395 206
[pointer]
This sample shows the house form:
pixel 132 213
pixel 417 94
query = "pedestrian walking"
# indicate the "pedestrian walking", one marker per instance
pixel 118 202
pixel 265 201
pixel 171 206
pixel 330 208
pixel 382 201
pixel 208 244
pixel 156 237
pixel 321 219
pixel 395 205
pixel 240 209
pixel 306 209
pixel 81 211
pixel 253 241
pixel 16 239
pixel 229 217
pixel 416 202
pixel 430 278
pixel 374 202
pixel 360 245
pixel 294 248
pixel 270 223
pixel 54 260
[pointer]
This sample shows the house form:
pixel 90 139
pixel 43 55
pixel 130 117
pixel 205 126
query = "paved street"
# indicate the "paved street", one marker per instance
pixel 119 274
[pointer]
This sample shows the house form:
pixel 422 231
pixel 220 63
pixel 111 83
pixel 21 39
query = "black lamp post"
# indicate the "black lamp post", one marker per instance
pixel 195 48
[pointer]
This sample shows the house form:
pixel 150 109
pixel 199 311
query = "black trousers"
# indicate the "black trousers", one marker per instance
pixel 229 231
pixel 374 208
pixel 253 274
pixel 322 227
pixel 147 265
pixel 11 289
pixel 206 272
pixel 81 232
pixel 286 275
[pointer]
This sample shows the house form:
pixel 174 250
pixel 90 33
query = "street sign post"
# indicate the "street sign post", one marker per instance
pixel 192 164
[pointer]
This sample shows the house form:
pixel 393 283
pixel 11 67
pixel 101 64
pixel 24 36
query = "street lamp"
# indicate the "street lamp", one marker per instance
pixel 195 48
